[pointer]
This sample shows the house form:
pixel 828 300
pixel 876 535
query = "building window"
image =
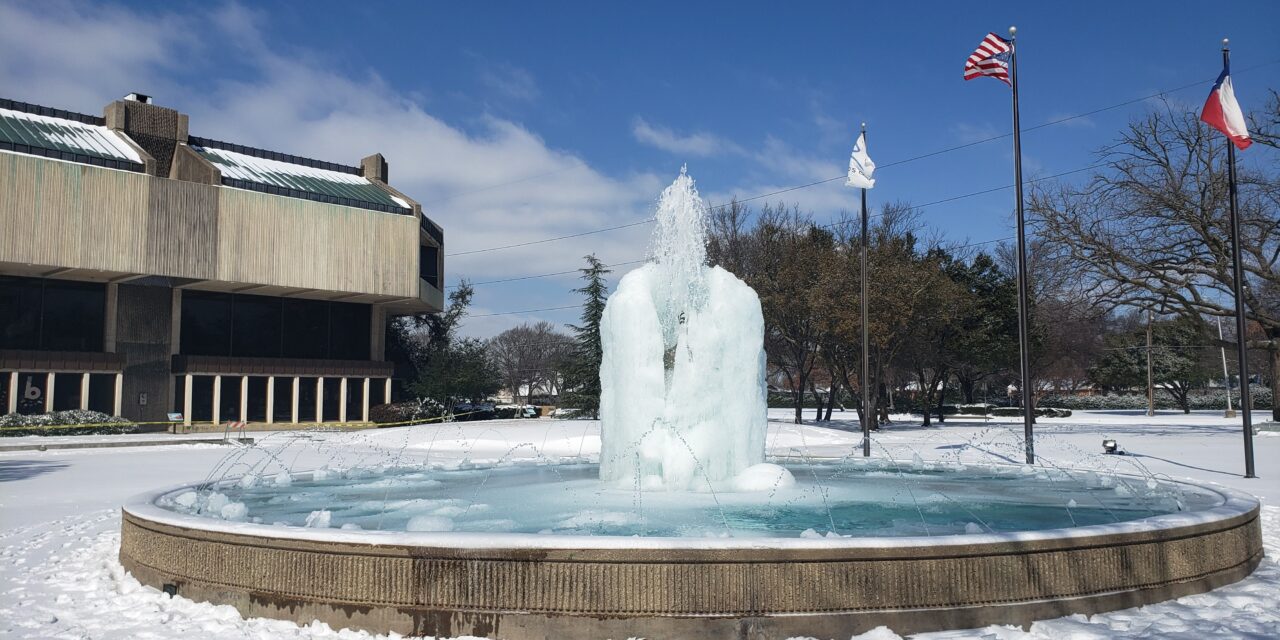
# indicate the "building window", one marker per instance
pixel 51 315
pixel 206 323
pixel 249 326
pixel 428 264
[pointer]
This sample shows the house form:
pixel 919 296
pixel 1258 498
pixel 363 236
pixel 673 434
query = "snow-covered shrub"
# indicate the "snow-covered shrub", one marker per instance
pixel 1208 399
pixel 1043 412
pixel 420 409
pixel 61 423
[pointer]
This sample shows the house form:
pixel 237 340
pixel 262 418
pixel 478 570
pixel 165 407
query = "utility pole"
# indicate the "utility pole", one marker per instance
pixel 1151 388
pixel 1226 377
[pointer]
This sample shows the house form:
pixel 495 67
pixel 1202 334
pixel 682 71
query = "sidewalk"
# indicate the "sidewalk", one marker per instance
pixel 42 443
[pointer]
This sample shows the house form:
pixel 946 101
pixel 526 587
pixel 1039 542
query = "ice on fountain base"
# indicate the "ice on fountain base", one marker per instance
pixel 429 523
pixel 763 477
pixel 708 422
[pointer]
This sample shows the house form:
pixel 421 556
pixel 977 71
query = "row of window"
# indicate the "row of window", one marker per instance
pixel 51 315
pixel 225 324
pixel 63 315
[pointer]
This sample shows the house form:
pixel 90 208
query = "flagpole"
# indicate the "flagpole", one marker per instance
pixel 1024 347
pixel 866 347
pixel 1246 405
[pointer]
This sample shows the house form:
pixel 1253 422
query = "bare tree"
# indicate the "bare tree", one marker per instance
pixel 1151 231
pixel 530 358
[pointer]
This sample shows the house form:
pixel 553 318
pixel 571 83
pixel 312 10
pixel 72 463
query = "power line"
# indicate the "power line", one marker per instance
pixel 507 313
pixel 883 166
pixel 822 226
pixel 543 275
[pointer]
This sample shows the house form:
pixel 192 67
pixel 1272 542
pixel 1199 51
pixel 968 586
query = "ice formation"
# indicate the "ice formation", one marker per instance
pixel 682 402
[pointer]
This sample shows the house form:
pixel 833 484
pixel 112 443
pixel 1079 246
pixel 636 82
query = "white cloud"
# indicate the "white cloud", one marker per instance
pixel 511 81
pixel 695 144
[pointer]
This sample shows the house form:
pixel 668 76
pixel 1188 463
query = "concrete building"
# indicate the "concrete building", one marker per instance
pixel 145 271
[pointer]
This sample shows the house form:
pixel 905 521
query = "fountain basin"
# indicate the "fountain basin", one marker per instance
pixel 530 585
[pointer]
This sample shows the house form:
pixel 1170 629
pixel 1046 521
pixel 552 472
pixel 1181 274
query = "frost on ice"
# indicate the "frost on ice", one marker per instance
pixel 682 381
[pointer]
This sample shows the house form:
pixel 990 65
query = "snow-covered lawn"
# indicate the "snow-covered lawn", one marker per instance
pixel 59 518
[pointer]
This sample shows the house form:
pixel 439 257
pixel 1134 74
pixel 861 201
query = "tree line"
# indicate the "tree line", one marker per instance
pixel 1144 239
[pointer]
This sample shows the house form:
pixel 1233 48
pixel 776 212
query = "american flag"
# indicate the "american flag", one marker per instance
pixel 991 58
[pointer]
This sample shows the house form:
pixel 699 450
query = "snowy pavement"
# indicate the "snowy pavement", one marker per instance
pixel 59 516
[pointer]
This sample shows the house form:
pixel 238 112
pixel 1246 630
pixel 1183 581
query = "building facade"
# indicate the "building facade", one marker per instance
pixel 146 272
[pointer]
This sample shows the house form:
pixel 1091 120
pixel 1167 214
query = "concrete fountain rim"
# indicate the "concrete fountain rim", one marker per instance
pixel 1235 505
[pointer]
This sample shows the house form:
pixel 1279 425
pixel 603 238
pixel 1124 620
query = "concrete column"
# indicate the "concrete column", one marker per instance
pixel 342 400
pixel 271 399
pixel 217 399
pixel 109 318
pixel 297 384
pixel 84 392
pixel 244 398
pixel 386 392
pixel 50 378
pixel 13 392
pixel 186 399
pixel 117 404
pixel 364 416
pixel 377 332
pixel 320 399
pixel 175 322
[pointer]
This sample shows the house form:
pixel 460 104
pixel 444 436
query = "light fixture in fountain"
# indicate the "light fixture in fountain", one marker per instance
pixel 683 397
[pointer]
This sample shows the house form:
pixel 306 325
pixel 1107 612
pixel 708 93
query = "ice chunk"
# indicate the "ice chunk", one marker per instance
pixel 216 502
pixel 972 527
pixel 234 511
pixel 283 479
pixel 319 519
pixel 186 499
pixel 810 533
pixel 763 477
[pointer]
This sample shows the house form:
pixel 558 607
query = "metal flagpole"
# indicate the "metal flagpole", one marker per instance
pixel 866 347
pixel 1237 269
pixel 1024 339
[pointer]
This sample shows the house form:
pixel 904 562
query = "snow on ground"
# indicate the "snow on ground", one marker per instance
pixel 59 518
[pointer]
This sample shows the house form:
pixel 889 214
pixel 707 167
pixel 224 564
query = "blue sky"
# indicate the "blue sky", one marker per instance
pixel 520 121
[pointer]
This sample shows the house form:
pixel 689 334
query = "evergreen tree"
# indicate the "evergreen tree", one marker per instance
pixel 1177 364
pixel 450 369
pixel 582 388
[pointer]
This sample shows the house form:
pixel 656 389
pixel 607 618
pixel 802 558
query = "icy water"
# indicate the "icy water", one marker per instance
pixel 828 499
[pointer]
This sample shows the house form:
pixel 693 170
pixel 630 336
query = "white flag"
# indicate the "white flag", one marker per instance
pixel 861 167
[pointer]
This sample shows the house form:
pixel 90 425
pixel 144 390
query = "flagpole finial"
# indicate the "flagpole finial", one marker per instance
pixel 1013 32
pixel 1226 44
pixel 864 127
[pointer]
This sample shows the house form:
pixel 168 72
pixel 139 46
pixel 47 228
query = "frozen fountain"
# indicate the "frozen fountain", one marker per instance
pixel 683 528
pixel 682 400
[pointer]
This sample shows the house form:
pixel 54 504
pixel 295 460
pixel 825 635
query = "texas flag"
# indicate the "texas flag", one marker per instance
pixel 1222 112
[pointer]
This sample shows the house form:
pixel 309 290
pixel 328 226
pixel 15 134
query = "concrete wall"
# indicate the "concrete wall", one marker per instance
pixel 143 328
pixel 73 216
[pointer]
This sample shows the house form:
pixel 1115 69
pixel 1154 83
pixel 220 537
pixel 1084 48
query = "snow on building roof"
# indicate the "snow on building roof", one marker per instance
pixel 313 180
pixel 65 138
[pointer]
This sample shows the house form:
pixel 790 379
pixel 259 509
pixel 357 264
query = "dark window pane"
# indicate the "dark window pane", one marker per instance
pixel 73 315
pixel 428 260
pixel 19 313
pixel 307 329
pixel 256 327
pixel 349 331
pixel 206 323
